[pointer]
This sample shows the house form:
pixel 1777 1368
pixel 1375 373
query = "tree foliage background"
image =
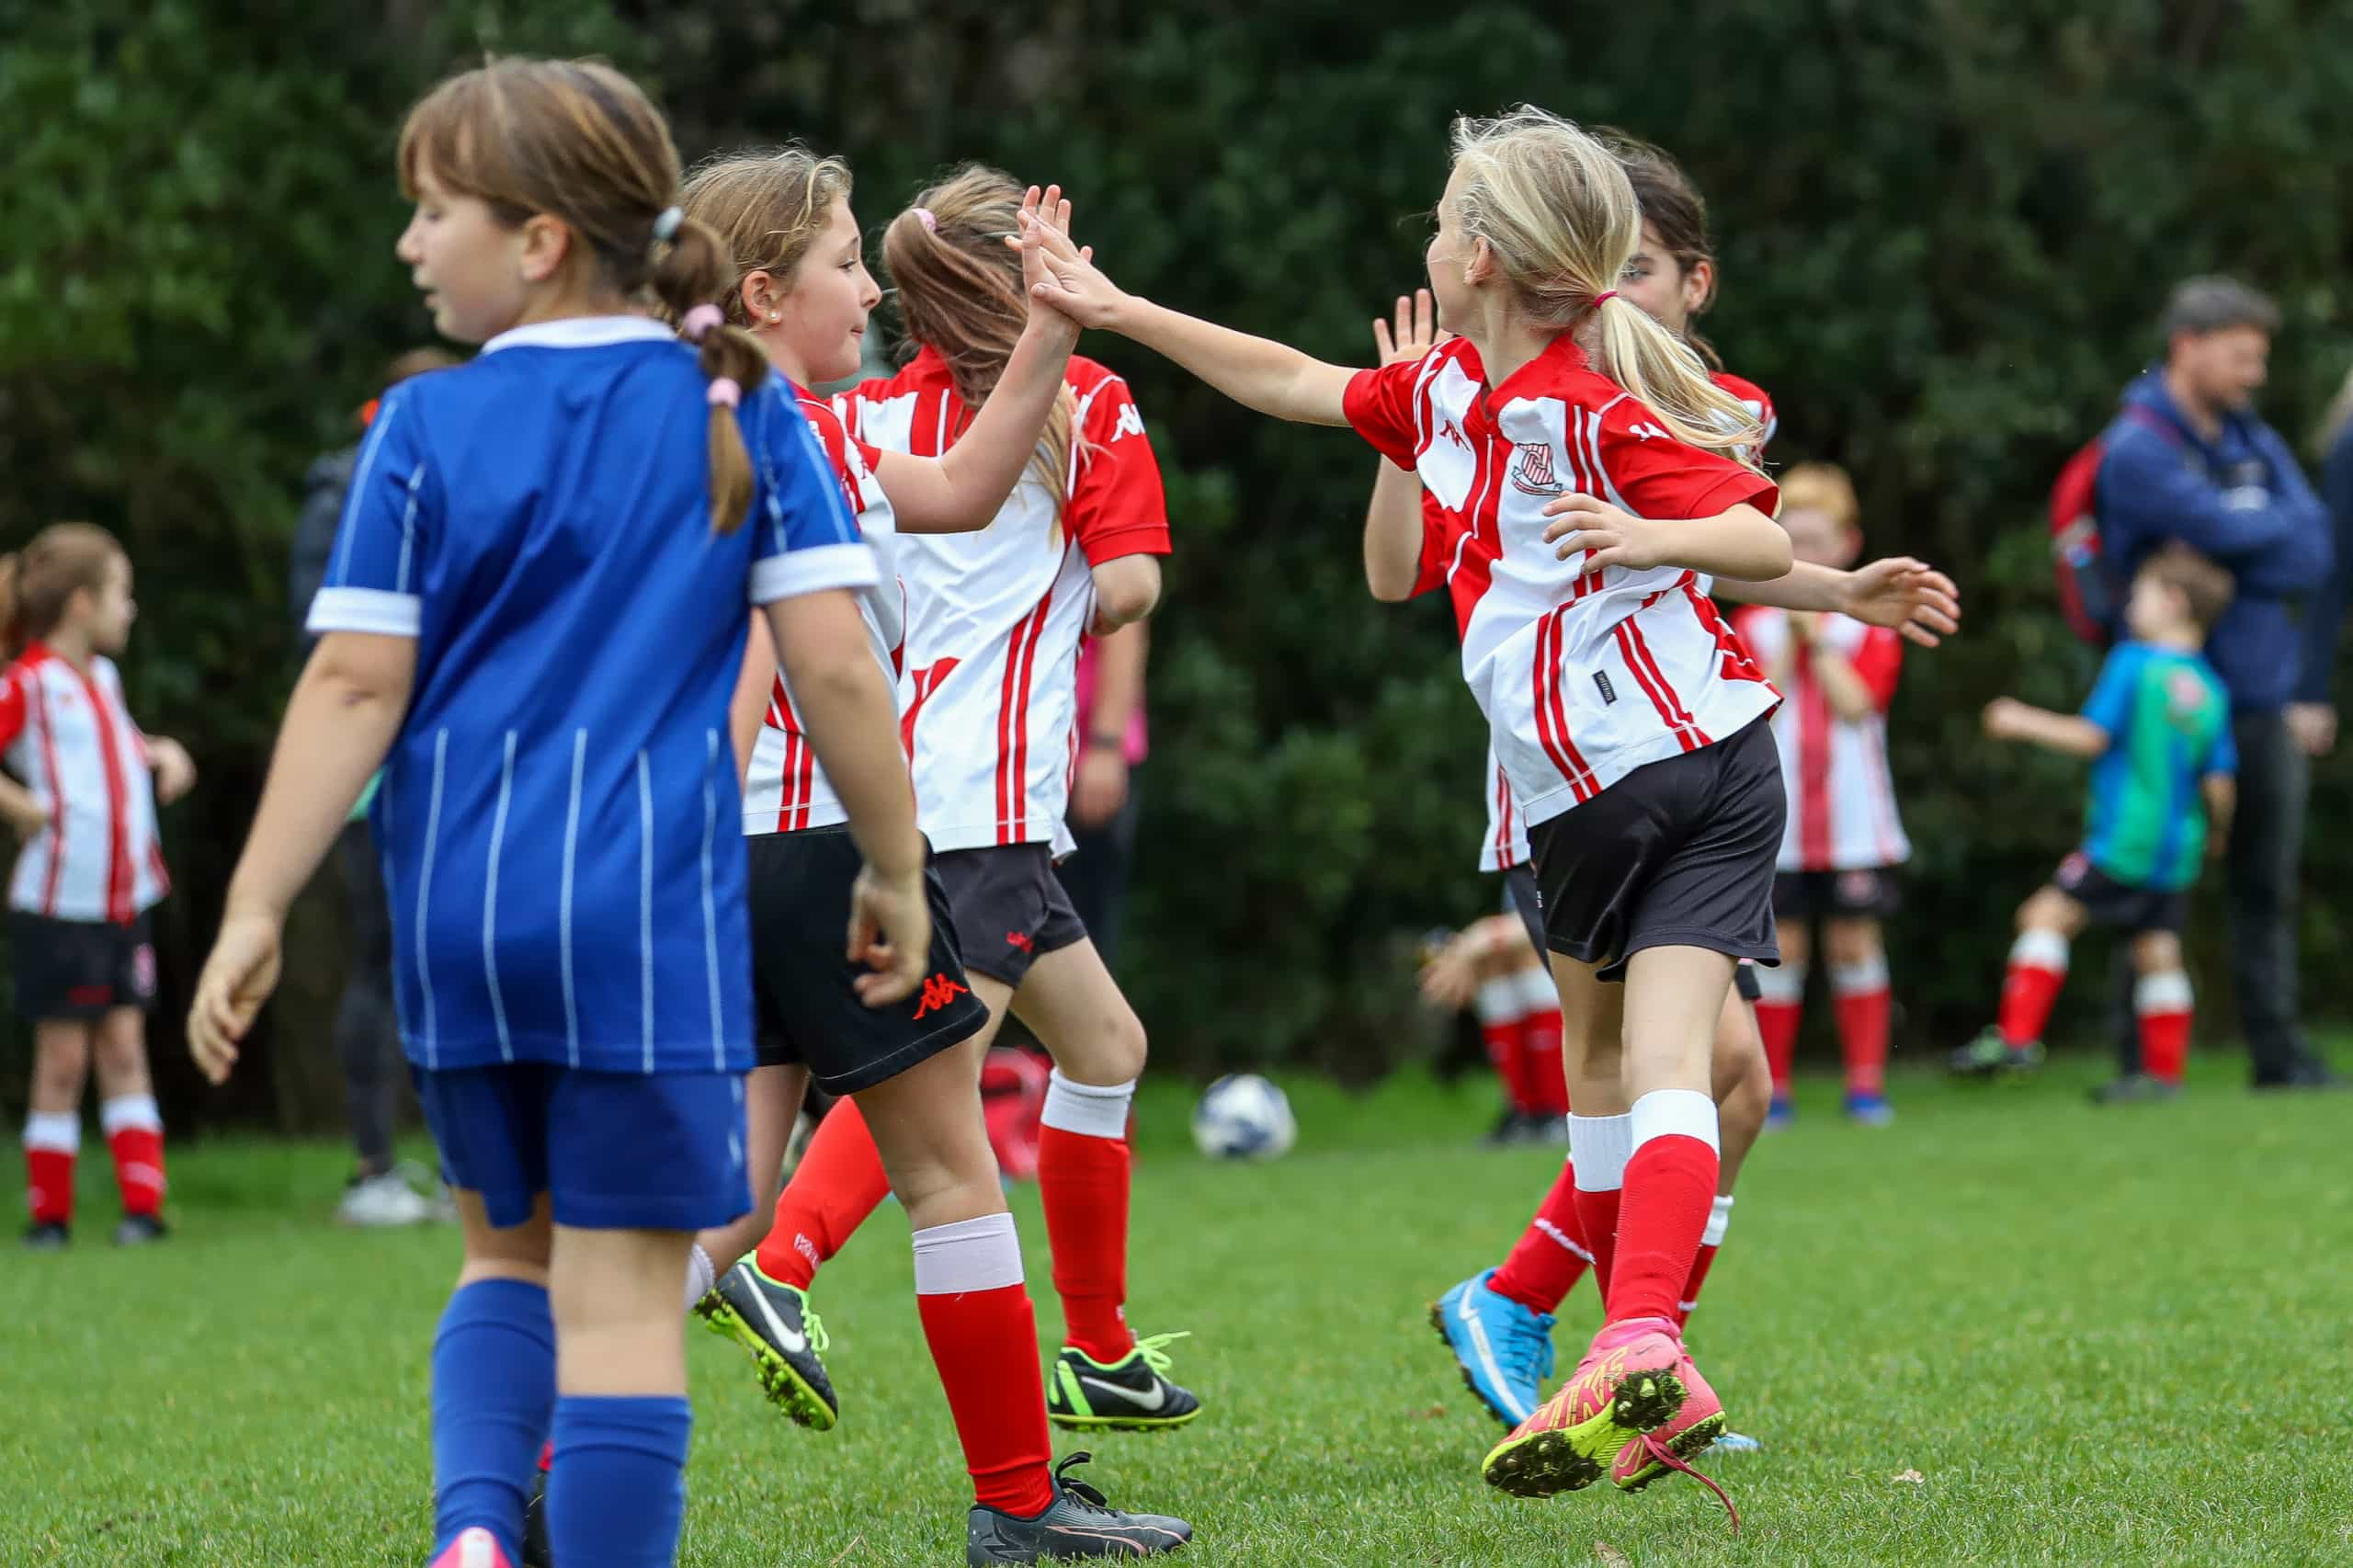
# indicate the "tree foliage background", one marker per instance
pixel 1945 230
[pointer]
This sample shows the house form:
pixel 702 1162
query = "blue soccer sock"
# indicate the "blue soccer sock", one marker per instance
pixel 617 1494
pixel 494 1392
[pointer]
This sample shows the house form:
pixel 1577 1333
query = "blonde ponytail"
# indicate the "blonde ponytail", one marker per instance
pixel 1560 217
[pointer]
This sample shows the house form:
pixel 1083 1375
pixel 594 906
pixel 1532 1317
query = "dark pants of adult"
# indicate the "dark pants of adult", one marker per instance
pixel 2262 873
pixel 366 1026
pixel 1097 877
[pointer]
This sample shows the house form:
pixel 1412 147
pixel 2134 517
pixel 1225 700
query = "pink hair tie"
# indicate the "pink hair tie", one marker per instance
pixel 696 323
pixel 1605 294
pixel 724 392
pixel 928 219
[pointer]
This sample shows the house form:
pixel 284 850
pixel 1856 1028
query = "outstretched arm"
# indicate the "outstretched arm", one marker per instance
pixel 2007 718
pixel 1899 593
pixel 963 488
pixel 1256 372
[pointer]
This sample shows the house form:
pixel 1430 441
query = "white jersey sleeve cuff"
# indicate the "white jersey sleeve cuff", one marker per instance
pixel 813 571
pixel 366 609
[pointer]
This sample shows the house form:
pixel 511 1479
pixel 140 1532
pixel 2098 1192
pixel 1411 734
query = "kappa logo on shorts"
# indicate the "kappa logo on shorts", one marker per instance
pixel 143 970
pixel 938 991
pixel 1531 470
pixel 1016 940
pixel 1859 887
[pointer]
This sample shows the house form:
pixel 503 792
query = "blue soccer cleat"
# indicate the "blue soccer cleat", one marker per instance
pixel 1780 1113
pixel 1505 1350
pixel 1870 1110
pixel 1733 1443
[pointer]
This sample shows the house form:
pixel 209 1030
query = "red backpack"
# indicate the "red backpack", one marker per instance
pixel 2086 597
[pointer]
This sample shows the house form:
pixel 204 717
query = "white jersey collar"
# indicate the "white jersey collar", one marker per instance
pixel 582 332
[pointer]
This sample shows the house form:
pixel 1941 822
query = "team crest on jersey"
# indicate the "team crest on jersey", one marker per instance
pixel 2185 695
pixel 1531 470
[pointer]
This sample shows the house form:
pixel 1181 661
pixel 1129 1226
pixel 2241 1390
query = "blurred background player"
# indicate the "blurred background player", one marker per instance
pixel 1843 839
pixel 1492 967
pixel 366 1030
pixel 80 798
pixel 2158 732
pixel 1113 740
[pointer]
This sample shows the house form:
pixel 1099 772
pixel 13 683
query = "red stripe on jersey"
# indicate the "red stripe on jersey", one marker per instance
pixel 1020 824
pixel 926 680
pixel 1647 678
pixel 1552 718
pixel 805 784
pixel 119 873
pixel 1739 663
pixel 1008 710
pixel 1502 818
pixel 56 795
pixel 1682 714
pixel 1813 769
pixel 1586 788
pixel 1882 802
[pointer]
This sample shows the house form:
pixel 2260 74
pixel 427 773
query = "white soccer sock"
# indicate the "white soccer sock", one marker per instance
pixel 130 1111
pixel 55 1131
pixel 2040 948
pixel 1675 1113
pixel 1497 1001
pixel 700 1276
pixel 1600 1147
pixel 970 1255
pixel 1719 1221
pixel 1784 984
pixel 1094 1110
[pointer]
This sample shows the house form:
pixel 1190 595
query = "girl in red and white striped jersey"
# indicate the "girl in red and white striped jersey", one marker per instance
pixel 82 799
pixel 1844 841
pixel 910 1113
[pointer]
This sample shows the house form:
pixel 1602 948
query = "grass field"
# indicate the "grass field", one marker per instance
pixel 2010 1329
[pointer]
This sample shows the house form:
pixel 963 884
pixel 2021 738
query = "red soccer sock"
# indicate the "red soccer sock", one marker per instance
pixel 1597 1218
pixel 2163 1004
pixel 134 1131
pixel 1501 1018
pixel 1539 1048
pixel 1597 1149
pixel 1861 999
pixel 1719 1217
pixel 1551 1254
pixel 2038 968
pixel 838 1182
pixel 52 1139
pixel 984 1337
pixel 1780 1009
pixel 1082 1183
pixel 1670 1186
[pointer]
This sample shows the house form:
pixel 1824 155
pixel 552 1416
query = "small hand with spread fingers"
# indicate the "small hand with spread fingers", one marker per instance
pixel 1062 274
pixel 1905 596
pixel 1416 334
pixel 1048 212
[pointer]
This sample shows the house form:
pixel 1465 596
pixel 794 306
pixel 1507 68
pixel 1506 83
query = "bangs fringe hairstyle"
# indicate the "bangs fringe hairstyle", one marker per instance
pixel 959 290
pixel 1673 206
pixel 768 206
pixel 35 581
pixel 576 141
pixel 1558 211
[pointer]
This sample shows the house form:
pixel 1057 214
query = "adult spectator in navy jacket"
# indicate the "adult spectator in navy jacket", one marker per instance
pixel 2187 458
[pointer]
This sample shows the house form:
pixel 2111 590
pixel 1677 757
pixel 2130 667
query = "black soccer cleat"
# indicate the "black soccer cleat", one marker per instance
pixel 48 1235
pixel 1079 1523
pixel 1132 1394
pixel 138 1229
pixel 773 1321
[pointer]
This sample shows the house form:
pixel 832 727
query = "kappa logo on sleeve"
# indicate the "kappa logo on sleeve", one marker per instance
pixel 1130 422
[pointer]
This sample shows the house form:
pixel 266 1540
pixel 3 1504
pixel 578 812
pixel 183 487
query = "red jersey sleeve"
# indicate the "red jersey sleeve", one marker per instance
pixel 1440 534
pixel 1658 476
pixel 1117 505
pixel 12 706
pixel 1378 405
pixel 853 462
pixel 1877 660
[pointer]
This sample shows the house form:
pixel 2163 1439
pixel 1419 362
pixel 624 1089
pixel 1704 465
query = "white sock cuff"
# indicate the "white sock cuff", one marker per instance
pixel 2039 949
pixel 1097 1111
pixel 2166 992
pixel 1537 992
pixel 60 1133
pixel 1784 983
pixel 1859 979
pixel 1600 1147
pixel 1675 1113
pixel 970 1254
pixel 700 1276
pixel 1497 1000
pixel 130 1111
pixel 1719 1222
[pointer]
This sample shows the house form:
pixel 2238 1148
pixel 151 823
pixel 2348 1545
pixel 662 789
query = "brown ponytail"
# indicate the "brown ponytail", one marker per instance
pixel 37 581
pixel 959 293
pixel 578 142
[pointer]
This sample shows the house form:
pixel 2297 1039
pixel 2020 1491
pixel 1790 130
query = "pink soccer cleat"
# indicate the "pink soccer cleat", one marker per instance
pixel 1629 1384
pixel 474 1547
pixel 1650 1456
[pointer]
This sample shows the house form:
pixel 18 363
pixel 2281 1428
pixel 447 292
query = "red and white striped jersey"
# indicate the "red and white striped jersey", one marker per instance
pixel 69 737
pixel 1583 676
pixel 987 701
pixel 784 790
pixel 1842 801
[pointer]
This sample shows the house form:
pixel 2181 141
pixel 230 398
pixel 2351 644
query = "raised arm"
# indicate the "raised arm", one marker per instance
pixel 2007 718
pixel 1256 372
pixel 1392 519
pixel 1898 593
pixel 963 489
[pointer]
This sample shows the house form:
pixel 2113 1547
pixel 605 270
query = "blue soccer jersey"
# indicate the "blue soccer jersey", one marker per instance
pixel 558 814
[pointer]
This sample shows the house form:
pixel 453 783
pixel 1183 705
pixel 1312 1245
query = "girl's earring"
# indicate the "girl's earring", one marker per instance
pixel 774 317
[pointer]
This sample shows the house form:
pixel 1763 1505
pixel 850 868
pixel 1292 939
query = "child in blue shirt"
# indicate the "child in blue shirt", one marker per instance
pixel 532 621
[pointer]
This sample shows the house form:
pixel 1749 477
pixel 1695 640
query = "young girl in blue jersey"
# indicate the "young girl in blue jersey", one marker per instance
pixel 532 621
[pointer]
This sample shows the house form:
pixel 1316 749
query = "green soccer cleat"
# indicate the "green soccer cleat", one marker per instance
pixel 1989 1053
pixel 1132 1394
pixel 774 1323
